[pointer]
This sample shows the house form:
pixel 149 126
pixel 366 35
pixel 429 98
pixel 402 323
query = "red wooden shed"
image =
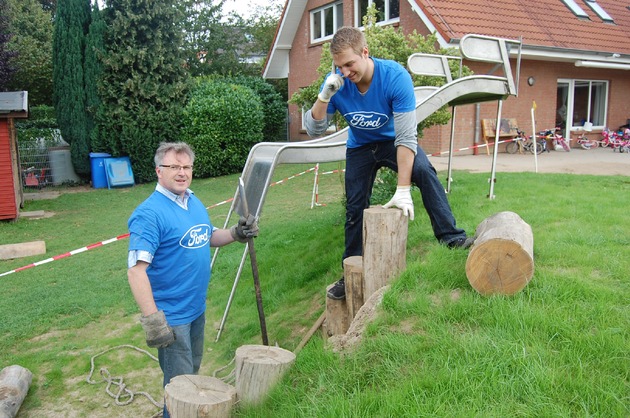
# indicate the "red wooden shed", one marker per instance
pixel 13 105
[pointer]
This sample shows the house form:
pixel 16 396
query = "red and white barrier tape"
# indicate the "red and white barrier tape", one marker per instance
pixel 109 241
pixel 68 254
pixel 123 236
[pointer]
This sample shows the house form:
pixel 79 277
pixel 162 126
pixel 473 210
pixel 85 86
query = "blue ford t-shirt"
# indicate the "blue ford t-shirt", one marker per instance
pixel 370 118
pixel 179 240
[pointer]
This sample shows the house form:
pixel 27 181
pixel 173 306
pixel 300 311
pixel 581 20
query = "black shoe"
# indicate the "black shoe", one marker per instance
pixel 461 243
pixel 338 291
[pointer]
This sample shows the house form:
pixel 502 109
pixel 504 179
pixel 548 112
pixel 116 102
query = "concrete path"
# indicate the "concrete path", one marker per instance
pixel 599 161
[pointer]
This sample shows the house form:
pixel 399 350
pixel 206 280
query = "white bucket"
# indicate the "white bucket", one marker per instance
pixel 588 126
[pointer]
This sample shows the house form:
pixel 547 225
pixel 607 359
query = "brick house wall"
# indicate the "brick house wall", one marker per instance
pixel 436 139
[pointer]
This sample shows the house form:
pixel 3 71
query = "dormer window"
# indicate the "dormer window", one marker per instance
pixel 599 11
pixel 575 8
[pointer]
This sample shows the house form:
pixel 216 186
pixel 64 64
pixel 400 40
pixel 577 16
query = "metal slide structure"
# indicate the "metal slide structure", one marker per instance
pixel 265 156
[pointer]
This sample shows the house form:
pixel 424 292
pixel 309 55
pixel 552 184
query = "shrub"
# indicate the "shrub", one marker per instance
pixel 222 121
pixel 274 107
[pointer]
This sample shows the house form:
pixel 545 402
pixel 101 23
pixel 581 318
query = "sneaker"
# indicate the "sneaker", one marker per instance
pixel 464 243
pixel 338 291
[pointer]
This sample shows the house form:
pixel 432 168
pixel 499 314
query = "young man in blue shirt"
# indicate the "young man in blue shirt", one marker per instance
pixel 169 261
pixel 376 98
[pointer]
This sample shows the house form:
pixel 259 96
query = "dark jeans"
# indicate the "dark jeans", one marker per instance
pixel 184 355
pixel 362 165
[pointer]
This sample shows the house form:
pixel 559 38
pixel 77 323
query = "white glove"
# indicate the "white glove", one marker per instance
pixel 331 86
pixel 402 200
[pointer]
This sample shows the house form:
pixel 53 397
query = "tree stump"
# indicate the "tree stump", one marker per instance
pixel 353 274
pixel 337 321
pixel 194 396
pixel 384 247
pixel 501 261
pixel 14 383
pixel 258 369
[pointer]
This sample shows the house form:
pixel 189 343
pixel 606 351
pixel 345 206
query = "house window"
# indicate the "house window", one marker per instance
pixel 599 10
pixel 388 11
pixel 575 8
pixel 325 21
pixel 581 101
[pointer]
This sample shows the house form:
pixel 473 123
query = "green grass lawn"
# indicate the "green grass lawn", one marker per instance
pixel 437 348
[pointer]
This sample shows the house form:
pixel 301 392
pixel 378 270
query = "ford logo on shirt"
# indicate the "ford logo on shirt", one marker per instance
pixel 196 237
pixel 366 120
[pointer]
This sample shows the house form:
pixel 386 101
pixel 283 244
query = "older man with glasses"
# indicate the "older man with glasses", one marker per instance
pixel 169 262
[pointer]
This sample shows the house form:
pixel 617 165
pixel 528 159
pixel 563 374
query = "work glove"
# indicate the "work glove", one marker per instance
pixel 247 227
pixel 402 200
pixel 331 86
pixel 159 333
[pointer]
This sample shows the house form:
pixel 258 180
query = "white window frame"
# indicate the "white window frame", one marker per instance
pixel 575 8
pixel 570 124
pixel 599 10
pixel 358 19
pixel 320 14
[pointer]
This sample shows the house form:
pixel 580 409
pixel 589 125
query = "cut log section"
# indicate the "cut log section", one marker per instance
pixel 384 247
pixel 194 396
pixel 501 261
pixel 258 369
pixel 337 320
pixel 14 383
pixel 353 273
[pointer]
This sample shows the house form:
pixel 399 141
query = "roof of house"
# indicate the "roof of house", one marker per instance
pixel 547 23
pixel 550 30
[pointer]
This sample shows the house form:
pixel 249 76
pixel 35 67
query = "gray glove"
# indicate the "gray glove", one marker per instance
pixel 331 86
pixel 159 333
pixel 245 228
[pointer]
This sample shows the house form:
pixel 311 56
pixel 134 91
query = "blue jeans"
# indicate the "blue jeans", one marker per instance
pixel 362 165
pixel 184 355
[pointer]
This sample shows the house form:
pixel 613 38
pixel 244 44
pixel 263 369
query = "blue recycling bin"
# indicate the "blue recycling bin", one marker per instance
pixel 99 177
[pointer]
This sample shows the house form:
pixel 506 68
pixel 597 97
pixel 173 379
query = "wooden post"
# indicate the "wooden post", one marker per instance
pixel 258 368
pixel 14 383
pixel 384 247
pixel 502 257
pixel 194 396
pixel 353 274
pixel 337 321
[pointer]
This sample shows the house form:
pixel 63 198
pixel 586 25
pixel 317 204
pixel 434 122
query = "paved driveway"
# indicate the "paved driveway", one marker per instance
pixel 599 161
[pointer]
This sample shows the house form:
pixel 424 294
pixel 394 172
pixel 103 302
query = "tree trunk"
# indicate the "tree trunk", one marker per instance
pixel 353 274
pixel 384 247
pixel 14 383
pixel 194 396
pixel 501 260
pixel 258 368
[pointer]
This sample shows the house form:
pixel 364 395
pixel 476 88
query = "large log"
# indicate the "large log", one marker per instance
pixel 14 383
pixel 258 368
pixel 194 396
pixel 501 261
pixel 384 247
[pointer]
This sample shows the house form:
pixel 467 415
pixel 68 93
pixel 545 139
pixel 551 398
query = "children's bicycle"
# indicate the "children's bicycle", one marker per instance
pixel 522 142
pixel 586 143
pixel 557 139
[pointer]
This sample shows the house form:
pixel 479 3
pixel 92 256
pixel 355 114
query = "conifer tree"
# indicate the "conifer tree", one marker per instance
pixel 71 27
pixel 6 67
pixel 144 83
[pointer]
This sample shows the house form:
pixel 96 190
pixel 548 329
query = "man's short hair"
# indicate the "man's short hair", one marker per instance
pixel 348 37
pixel 178 147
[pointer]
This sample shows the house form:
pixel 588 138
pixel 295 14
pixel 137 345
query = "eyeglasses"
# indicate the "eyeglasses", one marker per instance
pixel 175 167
